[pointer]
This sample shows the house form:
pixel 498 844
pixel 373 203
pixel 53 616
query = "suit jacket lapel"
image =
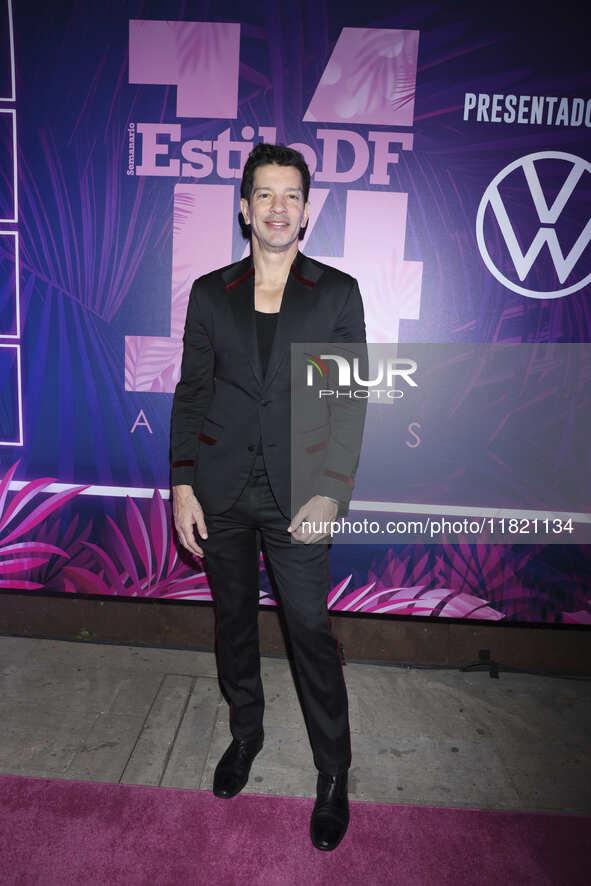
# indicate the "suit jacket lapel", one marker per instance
pixel 298 291
pixel 239 279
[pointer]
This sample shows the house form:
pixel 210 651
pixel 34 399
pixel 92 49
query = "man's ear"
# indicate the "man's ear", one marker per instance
pixel 306 215
pixel 304 223
pixel 244 210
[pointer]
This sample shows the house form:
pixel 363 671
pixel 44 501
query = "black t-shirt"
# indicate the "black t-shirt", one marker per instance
pixel 266 325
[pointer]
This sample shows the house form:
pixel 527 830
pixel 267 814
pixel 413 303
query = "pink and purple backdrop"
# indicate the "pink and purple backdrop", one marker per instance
pixel 449 148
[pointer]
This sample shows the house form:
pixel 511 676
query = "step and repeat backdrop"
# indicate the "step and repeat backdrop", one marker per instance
pixel 450 153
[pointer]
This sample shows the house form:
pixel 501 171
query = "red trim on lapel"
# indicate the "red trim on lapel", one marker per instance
pixel 186 463
pixel 302 279
pixel 240 280
pixel 205 438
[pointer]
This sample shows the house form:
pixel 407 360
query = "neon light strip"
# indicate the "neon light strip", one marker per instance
pixel 12 112
pixel 14 220
pixel 401 507
pixel 17 334
pixel 12 97
pixel 18 442
pixel 104 491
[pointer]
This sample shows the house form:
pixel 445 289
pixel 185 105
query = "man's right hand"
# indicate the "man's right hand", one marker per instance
pixel 188 513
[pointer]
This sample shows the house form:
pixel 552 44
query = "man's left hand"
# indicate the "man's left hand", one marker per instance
pixel 319 512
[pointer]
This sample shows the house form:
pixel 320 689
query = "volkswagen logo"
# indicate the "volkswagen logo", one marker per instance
pixel 524 245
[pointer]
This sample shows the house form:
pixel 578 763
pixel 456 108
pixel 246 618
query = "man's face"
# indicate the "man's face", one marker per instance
pixel 276 211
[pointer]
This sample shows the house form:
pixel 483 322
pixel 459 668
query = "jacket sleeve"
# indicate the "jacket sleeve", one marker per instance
pixel 346 413
pixel 194 390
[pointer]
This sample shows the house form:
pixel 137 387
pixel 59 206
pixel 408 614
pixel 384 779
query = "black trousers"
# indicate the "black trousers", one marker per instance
pixel 302 579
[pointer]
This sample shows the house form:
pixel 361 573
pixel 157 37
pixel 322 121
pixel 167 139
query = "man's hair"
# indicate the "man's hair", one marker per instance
pixel 264 154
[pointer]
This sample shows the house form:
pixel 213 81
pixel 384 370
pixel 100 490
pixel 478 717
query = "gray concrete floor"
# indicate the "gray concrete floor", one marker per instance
pixel 146 716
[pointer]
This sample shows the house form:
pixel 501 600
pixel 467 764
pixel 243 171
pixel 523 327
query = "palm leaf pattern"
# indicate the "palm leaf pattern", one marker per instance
pixel 20 557
pixel 139 559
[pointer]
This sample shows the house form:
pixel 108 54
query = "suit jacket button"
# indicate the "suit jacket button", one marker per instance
pixel 251 448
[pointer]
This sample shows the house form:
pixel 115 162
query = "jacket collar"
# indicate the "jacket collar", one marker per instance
pixel 307 271
pixel 239 280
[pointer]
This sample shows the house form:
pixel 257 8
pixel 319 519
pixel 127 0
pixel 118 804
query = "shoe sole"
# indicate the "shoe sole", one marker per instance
pixel 224 795
pixel 328 848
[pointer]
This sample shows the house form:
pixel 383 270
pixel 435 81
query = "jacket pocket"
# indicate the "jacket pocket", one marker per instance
pixel 210 432
pixel 314 439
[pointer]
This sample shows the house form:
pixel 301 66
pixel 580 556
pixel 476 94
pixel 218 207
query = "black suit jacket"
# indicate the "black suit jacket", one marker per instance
pixel 222 403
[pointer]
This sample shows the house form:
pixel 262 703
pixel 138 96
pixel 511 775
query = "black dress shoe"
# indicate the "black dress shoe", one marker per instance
pixel 231 773
pixel 330 816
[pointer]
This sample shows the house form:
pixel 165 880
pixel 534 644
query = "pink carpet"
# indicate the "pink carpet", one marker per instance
pixel 60 833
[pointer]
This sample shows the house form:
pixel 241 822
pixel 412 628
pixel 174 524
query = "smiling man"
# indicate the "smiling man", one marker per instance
pixel 231 472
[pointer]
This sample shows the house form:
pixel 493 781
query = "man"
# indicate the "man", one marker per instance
pixel 231 471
